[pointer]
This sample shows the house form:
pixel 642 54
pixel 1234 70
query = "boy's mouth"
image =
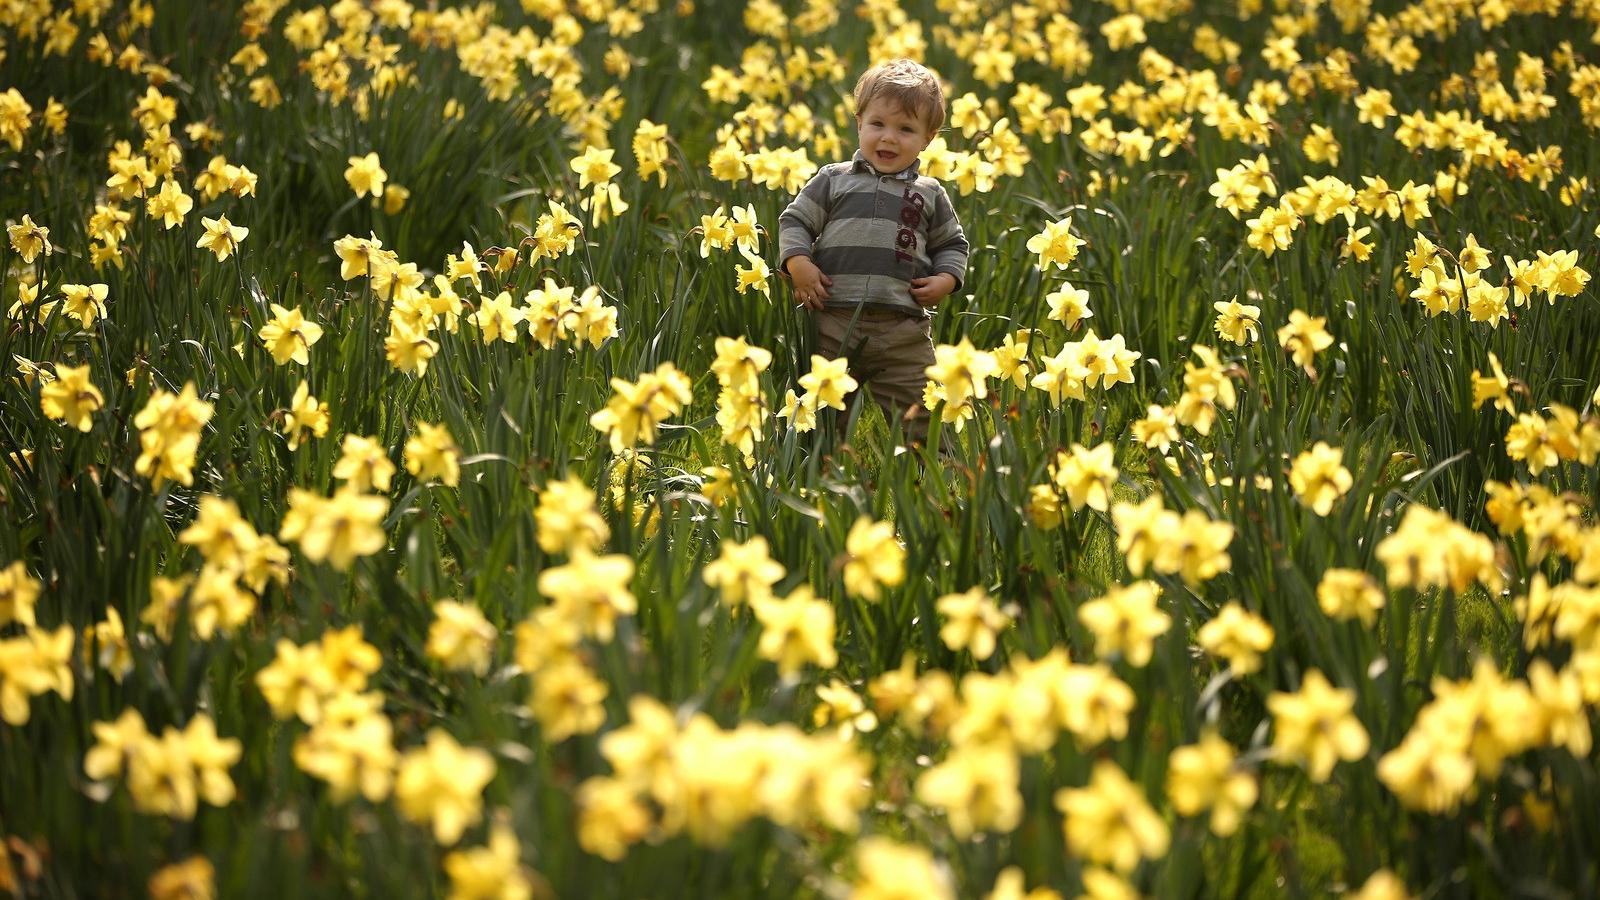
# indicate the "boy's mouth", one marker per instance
pixel 887 154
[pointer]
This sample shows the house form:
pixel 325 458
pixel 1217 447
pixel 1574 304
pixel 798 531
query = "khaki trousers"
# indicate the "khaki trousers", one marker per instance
pixel 889 354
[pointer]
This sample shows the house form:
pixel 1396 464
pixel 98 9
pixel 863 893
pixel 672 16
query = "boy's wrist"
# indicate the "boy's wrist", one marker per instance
pixel 783 264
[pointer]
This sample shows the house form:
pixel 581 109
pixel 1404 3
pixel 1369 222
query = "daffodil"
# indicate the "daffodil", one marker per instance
pixel 169 435
pixel 29 239
pixel 1127 621
pixel 977 787
pixel 431 453
pixel 1110 822
pixel 890 870
pixel 829 381
pixel 592 590
pixel 636 410
pixel 755 275
pixel 1085 475
pixel 874 559
pixel 170 204
pixel 492 872
pixel 441 783
pixel 1316 726
pixel 221 237
pixel 743 572
pixel 19 592
pixel 972 621
pixel 338 529
pixel 71 398
pixel 1205 776
pixel 306 417
pixel 1238 636
pixel 460 637
pixel 365 175
pixel 796 630
pixel 1319 477
pixel 1056 245
pixel 1350 594
pixel 1069 305
pixel 288 335
pixel 84 302
pixel 497 319
pixel 1304 337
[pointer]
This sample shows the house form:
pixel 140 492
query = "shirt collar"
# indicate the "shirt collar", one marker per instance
pixel 859 163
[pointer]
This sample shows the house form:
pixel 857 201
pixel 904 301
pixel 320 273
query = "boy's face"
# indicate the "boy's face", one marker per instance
pixel 891 137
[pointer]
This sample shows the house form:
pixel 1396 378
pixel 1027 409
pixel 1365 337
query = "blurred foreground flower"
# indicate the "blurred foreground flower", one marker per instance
pixel 1109 822
pixel 493 872
pixel 337 529
pixel 796 630
pixel 441 783
pixel 890 871
pixel 874 559
pixel 1315 726
pixel 166 775
pixel 1205 776
pixel 192 879
pixel 32 664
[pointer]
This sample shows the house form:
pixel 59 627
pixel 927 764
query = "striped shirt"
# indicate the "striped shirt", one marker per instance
pixel 872 233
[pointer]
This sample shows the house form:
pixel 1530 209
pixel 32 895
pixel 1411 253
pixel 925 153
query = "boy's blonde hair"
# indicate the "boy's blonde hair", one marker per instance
pixel 905 82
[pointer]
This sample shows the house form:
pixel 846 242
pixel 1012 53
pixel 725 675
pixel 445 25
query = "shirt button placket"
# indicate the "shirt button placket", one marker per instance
pixel 877 216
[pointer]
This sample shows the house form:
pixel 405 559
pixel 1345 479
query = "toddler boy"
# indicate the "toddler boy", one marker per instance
pixel 871 245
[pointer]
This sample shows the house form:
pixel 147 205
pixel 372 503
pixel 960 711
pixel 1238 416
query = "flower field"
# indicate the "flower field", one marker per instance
pixel 419 479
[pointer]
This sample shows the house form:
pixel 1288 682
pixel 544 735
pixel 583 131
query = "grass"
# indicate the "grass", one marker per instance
pixel 1393 392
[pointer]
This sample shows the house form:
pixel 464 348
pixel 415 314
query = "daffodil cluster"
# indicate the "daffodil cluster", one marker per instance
pixel 826 385
pixel 672 775
pixel 637 408
pixel 1330 569
pixel 742 408
pixel 957 379
pixel 1190 545
pixel 167 774
pixel 36 661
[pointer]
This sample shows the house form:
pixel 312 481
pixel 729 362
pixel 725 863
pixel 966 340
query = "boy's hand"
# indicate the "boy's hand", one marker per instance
pixel 929 290
pixel 810 284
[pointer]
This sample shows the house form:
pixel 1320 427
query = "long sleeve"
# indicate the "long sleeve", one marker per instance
pixel 802 220
pixel 947 243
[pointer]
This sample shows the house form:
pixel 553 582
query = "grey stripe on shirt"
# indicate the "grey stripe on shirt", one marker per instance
pixel 876 232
